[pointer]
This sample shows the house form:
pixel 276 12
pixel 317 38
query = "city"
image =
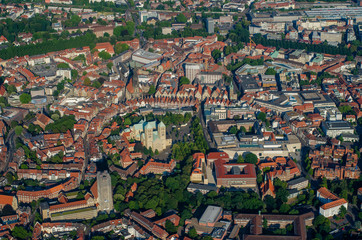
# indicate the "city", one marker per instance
pixel 143 119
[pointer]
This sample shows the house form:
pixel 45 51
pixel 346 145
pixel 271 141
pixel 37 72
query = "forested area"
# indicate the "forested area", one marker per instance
pixel 87 39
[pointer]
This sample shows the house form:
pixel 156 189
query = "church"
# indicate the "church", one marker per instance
pixel 151 135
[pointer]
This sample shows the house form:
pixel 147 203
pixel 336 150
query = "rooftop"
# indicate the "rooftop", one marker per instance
pixel 210 215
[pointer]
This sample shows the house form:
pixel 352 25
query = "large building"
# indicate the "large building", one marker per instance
pixel 210 25
pixel 158 167
pixel 145 57
pixel 331 203
pixel 237 175
pixel 336 128
pixel 102 191
pixel 253 224
pixel 151 135
pixel 191 70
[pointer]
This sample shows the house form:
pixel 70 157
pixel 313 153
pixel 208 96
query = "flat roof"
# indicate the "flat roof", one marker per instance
pixel 148 55
pixel 210 215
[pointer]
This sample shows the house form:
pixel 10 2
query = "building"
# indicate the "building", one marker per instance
pixel 254 225
pixel 331 203
pixel 102 191
pixel 336 128
pixel 209 78
pixel 158 167
pixel 75 210
pixel 202 188
pixel 51 193
pixel 210 25
pixel 192 70
pixel 8 200
pixel 211 215
pixel 298 183
pixel 197 173
pixel 151 135
pixel 236 175
pixel 145 57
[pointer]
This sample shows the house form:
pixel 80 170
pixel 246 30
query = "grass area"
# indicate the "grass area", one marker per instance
pixel 72 194
pixel 73 211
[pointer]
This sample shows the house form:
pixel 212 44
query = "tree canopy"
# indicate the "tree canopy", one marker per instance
pixel 25 98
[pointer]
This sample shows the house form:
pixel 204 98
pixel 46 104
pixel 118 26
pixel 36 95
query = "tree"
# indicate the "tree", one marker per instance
pixel 25 98
pixel 342 211
pixel 181 18
pixel 19 232
pixel 282 195
pixel 104 55
pixel 233 130
pixel 87 81
pixel 74 74
pixel 170 227
pixel 216 54
pixel 192 233
pixel 340 138
pixel 121 47
pixel 11 89
pixel 63 66
pixel 270 203
pixel 270 71
pixel 240 159
pixel 284 208
pixel 251 158
pixel 261 116
pixel 96 84
pixel 184 80
pixel 110 65
pixel 18 130
pixel 152 90
pixel 127 121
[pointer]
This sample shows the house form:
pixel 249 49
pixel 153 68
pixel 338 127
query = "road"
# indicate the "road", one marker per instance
pixel 10 144
pixel 87 153
pixel 209 140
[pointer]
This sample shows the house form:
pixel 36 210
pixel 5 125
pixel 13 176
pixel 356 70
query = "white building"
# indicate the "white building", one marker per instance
pixel 332 203
pixel 145 57
pixel 332 208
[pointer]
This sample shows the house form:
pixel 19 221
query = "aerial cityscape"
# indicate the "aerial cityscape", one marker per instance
pixel 180 119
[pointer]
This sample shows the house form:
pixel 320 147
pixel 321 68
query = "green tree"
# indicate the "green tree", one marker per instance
pixel 184 80
pixel 152 90
pixel 192 233
pixel 233 130
pixel 127 121
pixel 251 158
pixel 19 232
pixel 170 227
pixel 342 211
pixel 270 71
pixel 87 81
pixel 240 159
pixel 261 116
pixel 216 54
pixel 110 65
pixel 63 65
pixel 121 47
pixel 181 18
pixel 74 74
pixel 25 98
pixel 18 130
pixel 104 55
pixel 11 89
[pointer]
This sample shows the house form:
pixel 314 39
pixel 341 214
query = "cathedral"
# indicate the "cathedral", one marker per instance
pixel 151 134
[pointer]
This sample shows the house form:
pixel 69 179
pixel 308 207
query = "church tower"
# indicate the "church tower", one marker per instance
pixel 162 131
pixel 149 135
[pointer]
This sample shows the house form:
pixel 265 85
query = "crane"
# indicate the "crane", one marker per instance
pixel 250 42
